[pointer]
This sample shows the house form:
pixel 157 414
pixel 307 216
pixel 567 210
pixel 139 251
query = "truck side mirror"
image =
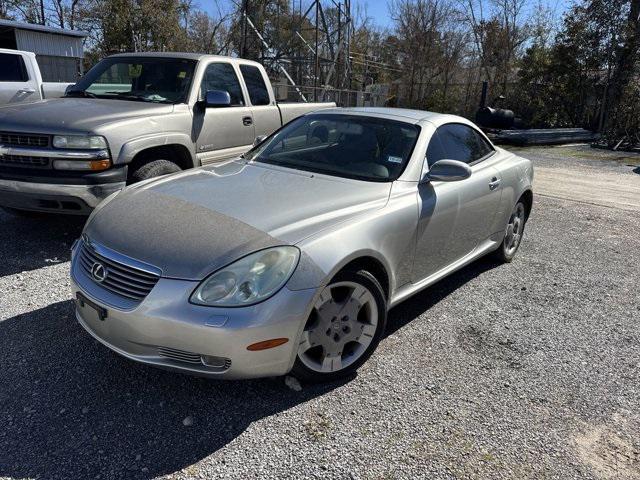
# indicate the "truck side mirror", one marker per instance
pixel 217 99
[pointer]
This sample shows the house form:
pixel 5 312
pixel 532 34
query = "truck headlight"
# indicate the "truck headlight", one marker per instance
pixel 79 141
pixel 249 280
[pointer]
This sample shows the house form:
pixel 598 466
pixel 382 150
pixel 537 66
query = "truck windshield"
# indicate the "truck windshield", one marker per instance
pixel 143 79
pixel 352 146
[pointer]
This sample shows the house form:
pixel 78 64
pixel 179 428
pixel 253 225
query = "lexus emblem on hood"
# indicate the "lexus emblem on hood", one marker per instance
pixel 98 272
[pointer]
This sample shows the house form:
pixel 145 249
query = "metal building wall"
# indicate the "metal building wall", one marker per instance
pixel 42 43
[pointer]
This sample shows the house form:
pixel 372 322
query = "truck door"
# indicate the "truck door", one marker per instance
pixel 222 133
pixel 16 84
pixel 266 115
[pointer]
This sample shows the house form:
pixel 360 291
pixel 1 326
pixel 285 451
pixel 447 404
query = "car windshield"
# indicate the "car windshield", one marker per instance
pixel 142 79
pixel 351 146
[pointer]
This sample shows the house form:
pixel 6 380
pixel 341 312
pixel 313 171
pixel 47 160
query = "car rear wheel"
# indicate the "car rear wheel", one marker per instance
pixel 343 329
pixel 513 234
pixel 153 168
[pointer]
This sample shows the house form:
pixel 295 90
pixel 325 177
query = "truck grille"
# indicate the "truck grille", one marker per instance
pixel 23 139
pixel 24 161
pixel 121 279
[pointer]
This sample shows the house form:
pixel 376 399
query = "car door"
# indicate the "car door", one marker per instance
pixel 455 217
pixel 225 132
pixel 16 85
pixel 266 116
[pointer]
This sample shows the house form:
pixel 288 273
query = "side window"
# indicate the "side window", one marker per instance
pixel 461 142
pixel 435 151
pixel 258 92
pixel 222 76
pixel 12 68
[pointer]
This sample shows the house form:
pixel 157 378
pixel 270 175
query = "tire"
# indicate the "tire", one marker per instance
pixel 513 234
pixel 336 339
pixel 151 169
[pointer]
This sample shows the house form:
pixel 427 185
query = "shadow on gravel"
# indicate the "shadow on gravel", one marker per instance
pixel 69 408
pixel 29 243
pixel 636 170
pixel 415 306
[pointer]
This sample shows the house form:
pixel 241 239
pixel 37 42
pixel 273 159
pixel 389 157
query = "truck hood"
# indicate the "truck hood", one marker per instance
pixel 196 222
pixel 74 115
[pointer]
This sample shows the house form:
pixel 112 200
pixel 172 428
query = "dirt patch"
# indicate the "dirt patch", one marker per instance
pixel 608 449
pixel 492 347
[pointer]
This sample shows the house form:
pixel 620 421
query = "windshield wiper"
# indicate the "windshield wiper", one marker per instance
pixel 80 93
pixel 137 98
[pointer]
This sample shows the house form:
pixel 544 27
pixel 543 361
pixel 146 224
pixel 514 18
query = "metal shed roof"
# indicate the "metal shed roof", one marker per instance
pixel 42 28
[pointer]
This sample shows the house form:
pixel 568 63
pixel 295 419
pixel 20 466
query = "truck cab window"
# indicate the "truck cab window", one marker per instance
pixel 221 76
pixel 258 92
pixel 12 68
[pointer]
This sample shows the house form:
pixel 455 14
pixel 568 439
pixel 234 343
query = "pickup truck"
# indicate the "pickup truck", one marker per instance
pixel 132 117
pixel 20 79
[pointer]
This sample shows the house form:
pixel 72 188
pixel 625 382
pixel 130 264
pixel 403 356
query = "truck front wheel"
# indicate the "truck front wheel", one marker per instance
pixel 152 168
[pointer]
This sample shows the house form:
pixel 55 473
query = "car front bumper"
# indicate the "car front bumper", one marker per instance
pixel 165 330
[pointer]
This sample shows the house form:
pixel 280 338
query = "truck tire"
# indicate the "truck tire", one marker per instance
pixel 153 168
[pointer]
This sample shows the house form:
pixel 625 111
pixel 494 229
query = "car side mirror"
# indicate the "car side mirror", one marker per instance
pixel 217 99
pixel 259 139
pixel 448 171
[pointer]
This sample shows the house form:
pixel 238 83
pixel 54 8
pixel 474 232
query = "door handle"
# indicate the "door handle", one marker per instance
pixel 494 183
pixel 246 121
pixel 27 90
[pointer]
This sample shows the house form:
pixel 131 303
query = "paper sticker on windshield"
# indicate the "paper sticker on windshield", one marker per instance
pixel 135 71
pixel 392 159
pixel 182 74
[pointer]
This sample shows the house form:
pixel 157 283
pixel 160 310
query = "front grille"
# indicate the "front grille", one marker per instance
pixel 179 355
pixel 23 139
pixel 121 279
pixel 214 363
pixel 24 161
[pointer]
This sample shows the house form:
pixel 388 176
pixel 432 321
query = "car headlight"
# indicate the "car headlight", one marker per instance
pixel 86 142
pixel 249 280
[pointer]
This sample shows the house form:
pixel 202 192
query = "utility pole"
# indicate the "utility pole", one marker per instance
pixel 243 39
pixel 316 68
pixel 42 12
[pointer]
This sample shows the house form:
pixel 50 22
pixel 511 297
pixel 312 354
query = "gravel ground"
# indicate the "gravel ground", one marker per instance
pixel 526 370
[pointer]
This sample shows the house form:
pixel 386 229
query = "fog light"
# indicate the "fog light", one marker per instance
pixel 214 362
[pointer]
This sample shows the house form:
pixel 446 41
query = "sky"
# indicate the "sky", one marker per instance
pixel 378 10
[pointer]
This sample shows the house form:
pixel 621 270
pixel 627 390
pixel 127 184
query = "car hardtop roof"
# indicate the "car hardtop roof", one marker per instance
pixel 402 114
pixel 183 55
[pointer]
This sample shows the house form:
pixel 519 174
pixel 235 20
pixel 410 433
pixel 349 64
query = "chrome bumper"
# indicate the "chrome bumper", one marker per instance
pixel 165 330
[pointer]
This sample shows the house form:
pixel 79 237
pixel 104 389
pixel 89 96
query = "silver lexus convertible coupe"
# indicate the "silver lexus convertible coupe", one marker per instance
pixel 289 258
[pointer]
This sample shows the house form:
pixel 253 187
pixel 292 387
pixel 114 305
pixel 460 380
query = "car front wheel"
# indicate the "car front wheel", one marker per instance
pixel 343 329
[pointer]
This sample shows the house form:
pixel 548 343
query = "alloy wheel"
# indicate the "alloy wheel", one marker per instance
pixel 340 328
pixel 514 230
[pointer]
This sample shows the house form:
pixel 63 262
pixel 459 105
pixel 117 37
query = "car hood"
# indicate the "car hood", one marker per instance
pixel 196 222
pixel 74 115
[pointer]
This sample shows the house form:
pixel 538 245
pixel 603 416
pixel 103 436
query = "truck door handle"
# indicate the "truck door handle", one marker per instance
pixel 494 183
pixel 27 90
pixel 246 121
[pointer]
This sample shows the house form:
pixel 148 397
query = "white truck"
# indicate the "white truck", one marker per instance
pixel 20 79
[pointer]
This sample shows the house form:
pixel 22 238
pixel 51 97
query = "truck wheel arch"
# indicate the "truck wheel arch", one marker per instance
pixel 177 148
